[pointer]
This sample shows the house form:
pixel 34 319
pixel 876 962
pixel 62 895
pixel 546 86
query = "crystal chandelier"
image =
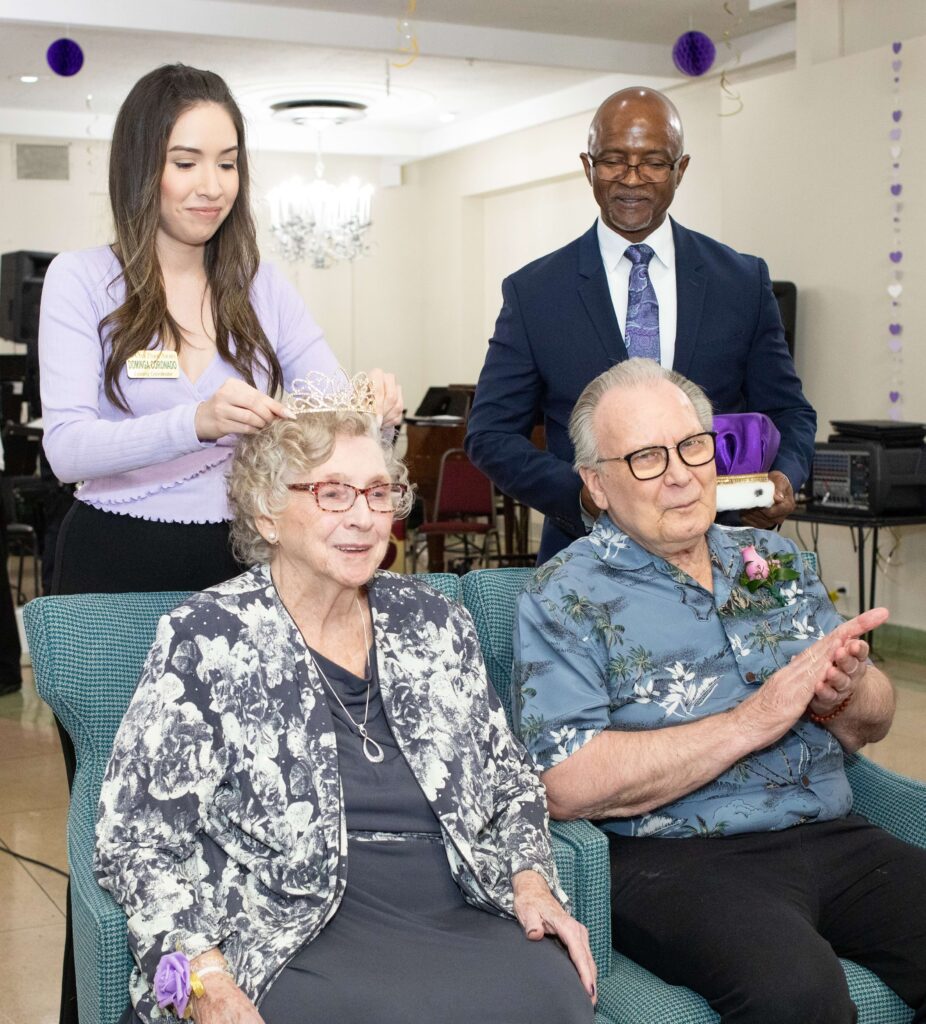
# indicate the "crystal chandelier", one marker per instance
pixel 321 222
pixel 316 220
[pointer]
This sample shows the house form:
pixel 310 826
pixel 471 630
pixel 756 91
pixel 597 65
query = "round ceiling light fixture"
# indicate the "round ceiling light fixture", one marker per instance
pixel 318 112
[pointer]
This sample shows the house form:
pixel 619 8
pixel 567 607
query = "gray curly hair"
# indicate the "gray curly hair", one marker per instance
pixel 631 373
pixel 264 463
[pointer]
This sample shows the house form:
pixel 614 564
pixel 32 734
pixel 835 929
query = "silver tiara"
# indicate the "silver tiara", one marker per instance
pixel 319 392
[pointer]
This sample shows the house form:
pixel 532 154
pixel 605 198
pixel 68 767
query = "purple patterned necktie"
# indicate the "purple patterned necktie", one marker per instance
pixel 642 332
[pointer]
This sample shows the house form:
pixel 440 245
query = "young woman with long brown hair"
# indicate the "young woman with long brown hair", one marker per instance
pixel 158 350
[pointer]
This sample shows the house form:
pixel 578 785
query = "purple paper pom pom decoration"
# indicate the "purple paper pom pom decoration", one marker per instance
pixel 694 53
pixel 65 57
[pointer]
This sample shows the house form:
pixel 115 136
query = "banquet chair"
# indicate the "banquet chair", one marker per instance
pixel 627 993
pixel 21 447
pixel 21 540
pixel 464 513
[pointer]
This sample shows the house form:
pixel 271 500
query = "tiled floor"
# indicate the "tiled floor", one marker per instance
pixel 33 810
pixel 903 750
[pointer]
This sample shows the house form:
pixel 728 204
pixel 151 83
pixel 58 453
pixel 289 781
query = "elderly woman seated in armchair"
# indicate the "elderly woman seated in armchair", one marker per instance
pixel 314 809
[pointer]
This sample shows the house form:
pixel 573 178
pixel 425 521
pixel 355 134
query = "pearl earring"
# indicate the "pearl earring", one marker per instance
pixel 271 538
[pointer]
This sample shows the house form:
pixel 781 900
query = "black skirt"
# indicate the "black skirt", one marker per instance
pixel 106 553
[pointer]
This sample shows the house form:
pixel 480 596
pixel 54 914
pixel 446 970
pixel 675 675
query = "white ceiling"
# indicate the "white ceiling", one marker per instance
pixel 495 65
pixel 642 21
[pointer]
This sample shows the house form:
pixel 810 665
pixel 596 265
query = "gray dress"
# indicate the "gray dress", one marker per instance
pixel 403 945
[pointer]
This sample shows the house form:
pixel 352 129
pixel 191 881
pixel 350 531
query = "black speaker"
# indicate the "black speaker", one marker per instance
pixel 785 293
pixel 21 278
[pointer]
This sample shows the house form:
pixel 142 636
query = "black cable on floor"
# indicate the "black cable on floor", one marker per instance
pixel 29 860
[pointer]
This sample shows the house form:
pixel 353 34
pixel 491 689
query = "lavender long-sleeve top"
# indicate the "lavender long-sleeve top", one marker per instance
pixel 148 462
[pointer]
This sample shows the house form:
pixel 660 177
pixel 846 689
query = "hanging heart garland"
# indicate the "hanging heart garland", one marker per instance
pixel 895 254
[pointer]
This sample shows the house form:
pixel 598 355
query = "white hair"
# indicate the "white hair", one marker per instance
pixel 264 460
pixel 631 373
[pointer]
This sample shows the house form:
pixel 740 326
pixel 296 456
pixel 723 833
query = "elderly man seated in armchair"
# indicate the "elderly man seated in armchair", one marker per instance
pixel 692 690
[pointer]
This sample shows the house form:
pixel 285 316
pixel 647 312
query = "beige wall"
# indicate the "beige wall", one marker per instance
pixel 805 183
pixel 503 203
pixel 368 309
pixel 50 216
pixel 799 176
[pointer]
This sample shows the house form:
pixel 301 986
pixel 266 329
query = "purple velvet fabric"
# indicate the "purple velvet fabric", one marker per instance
pixel 747 442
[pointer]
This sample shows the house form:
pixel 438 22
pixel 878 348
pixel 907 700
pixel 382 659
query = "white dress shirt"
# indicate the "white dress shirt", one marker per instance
pixel 661 273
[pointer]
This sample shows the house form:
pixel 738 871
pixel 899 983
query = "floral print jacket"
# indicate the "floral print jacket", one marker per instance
pixel 220 819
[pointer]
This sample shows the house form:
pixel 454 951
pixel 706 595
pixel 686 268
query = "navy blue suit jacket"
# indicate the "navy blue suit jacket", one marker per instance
pixel 557 331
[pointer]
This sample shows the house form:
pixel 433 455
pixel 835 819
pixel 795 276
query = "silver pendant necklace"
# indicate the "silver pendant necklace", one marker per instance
pixel 372 751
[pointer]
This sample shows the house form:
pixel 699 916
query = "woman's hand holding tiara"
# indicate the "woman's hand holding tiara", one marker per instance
pixel 389 407
pixel 237 408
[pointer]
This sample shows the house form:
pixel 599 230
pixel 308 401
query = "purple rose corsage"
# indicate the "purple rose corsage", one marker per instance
pixel 175 982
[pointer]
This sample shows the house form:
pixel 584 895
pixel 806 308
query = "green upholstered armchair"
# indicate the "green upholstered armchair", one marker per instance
pixel 87 654
pixel 628 994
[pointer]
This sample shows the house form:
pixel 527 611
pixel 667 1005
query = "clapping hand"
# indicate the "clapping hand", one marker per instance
pixel 843 675
pixel 817 676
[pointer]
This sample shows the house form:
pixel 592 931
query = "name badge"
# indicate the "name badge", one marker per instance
pixel 153 364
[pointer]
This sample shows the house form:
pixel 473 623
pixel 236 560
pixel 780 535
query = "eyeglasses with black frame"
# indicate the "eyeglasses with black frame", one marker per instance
pixel 333 496
pixel 614 168
pixel 650 463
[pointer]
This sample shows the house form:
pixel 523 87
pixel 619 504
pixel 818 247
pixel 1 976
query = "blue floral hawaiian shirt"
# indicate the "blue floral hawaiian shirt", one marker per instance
pixel 610 636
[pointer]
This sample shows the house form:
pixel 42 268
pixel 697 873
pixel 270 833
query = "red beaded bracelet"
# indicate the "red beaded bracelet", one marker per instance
pixel 828 718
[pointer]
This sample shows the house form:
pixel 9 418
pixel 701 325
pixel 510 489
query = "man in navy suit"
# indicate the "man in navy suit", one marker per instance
pixel 697 305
